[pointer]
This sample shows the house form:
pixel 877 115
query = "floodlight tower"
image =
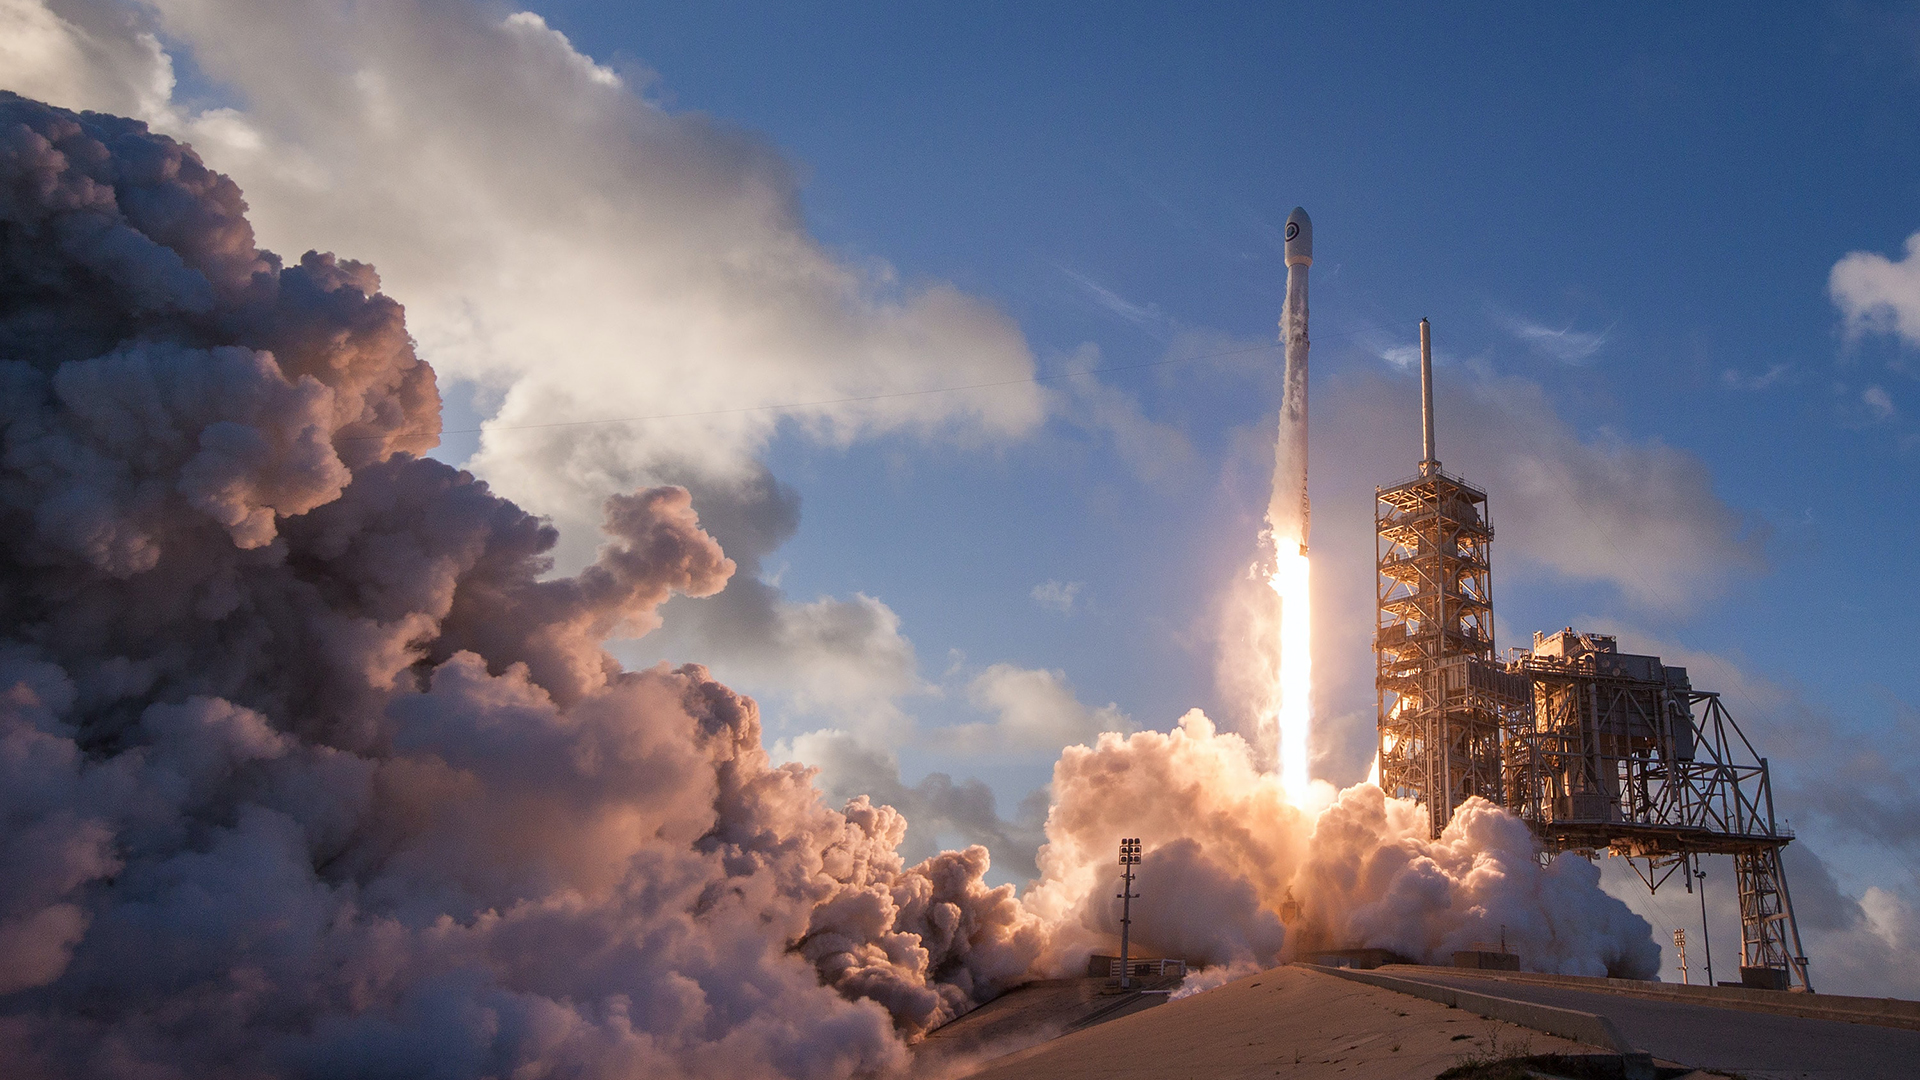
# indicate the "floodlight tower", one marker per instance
pixel 1129 858
pixel 1443 701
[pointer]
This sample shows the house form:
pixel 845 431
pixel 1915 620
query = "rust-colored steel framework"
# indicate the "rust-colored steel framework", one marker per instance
pixel 1443 702
pixel 1595 749
pixel 1621 754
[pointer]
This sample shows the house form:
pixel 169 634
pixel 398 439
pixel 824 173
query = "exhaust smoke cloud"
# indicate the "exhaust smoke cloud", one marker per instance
pixel 1227 846
pixel 306 768
pixel 309 767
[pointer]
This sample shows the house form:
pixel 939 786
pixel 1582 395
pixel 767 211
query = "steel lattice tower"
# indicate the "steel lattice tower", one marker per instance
pixel 1595 749
pixel 1443 702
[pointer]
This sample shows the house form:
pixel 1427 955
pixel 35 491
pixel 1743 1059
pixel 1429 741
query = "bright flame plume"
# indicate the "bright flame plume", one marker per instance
pixel 1294 695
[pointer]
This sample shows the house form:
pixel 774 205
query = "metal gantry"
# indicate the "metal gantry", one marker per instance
pixel 1597 750
pixel 1621 754
pixel 1443 701
pixel 1770 950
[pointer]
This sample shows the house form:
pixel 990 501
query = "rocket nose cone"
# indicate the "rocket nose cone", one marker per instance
pixel 1299 238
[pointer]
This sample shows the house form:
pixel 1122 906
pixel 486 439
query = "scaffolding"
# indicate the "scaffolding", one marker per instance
pixel 1597 750
pixel 1443 702
pixel 1621 754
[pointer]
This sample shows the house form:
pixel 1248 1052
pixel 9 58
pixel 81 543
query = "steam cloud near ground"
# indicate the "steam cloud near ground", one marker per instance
pixel 307 767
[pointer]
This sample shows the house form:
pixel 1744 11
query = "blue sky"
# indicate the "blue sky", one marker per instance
pixel 1622 222
pixel 1676 183
pixel 1667 188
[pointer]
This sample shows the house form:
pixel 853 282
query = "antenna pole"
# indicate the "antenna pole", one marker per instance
pixel 1427 463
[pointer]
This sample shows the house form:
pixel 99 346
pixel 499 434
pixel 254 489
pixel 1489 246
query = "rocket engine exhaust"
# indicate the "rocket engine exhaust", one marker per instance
pixel 1289 514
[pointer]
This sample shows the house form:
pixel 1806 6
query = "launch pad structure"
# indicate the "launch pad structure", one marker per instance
pixel 1444 703
pixel 1595 749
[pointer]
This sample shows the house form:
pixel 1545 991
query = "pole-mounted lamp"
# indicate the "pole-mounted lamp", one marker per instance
pixel 1129 858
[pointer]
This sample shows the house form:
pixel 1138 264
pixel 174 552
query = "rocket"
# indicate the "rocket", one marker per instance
pixel 1292 449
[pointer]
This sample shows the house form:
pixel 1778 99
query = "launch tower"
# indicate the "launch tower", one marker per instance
pixel 1443 701
pixel 1597 750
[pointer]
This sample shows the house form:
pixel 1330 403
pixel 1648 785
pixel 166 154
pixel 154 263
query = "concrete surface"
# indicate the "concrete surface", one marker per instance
pixel 1760 1046
pixel 1887 1012
pixel 1581 1027
pixel 1035 1013
pixel 1289 1022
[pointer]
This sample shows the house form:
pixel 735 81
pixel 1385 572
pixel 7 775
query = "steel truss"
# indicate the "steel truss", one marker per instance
pixel 1596 750
pixel 1621 754
pixel 1767 926
pixel 1444 705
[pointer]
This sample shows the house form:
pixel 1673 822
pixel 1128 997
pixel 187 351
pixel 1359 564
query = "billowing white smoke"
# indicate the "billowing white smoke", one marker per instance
pixel 1225 848
pixel 305 769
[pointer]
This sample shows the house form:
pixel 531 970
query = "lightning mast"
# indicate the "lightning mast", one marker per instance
pixel 1443 701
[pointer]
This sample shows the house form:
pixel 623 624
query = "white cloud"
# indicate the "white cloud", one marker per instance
pixel 557 237
pixel 1633 512
pixel 1057 595
pixel 845 660
pixel 1035 711
pixel 1153 451
pixel 583 253
pixel 1394 350
pixel 1565 344
pixel 1739 380
pixel 87 56
pixel 1878 295
pixel 1879 404
pixel 1890 918
pixel 1401 352
pixel 1032 715
pixel 1143 315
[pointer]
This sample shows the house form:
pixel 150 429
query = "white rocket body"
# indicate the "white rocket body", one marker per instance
pixel 1290 514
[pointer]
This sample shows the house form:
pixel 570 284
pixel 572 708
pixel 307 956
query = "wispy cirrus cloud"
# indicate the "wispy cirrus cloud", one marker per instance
pixel 1740 380
pixel 1565 344
pixel 1878 403
pixel 1147 316
pixel 1394 349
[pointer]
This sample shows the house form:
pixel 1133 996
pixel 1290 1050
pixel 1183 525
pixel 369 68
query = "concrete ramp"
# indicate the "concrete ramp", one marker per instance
pixel 1032 1014
pixel 1762 1035
pixel 1288 1022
